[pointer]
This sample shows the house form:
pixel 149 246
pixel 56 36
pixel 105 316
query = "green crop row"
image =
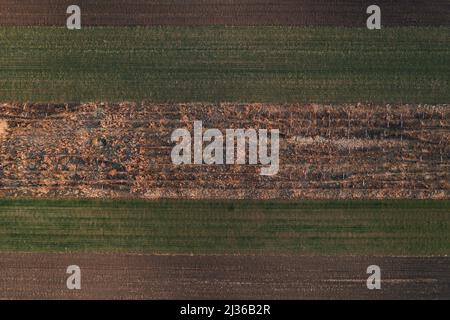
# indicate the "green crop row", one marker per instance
pixel 317 228
pixel 234 64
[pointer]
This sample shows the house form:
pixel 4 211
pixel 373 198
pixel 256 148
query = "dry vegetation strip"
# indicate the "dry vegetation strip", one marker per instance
pixel 326 152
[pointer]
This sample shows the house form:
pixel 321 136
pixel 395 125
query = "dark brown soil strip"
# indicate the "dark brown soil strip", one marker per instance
pixel 349 13
pixel 121 276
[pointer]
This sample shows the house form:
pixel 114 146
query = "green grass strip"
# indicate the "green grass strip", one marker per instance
pixel 216 64
pixel 245 227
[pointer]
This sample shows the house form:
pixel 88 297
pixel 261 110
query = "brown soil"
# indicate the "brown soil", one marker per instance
pixel 3 128
pixel 326 152
pixel 226 12
pixel 123 276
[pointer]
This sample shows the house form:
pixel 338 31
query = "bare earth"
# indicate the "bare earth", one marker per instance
pixel 126 276
pixel 226 12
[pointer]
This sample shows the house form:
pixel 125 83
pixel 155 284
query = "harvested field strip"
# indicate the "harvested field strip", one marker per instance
pixel 262 64
pixel 225 12
pixel 331 228
pixel 103 150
